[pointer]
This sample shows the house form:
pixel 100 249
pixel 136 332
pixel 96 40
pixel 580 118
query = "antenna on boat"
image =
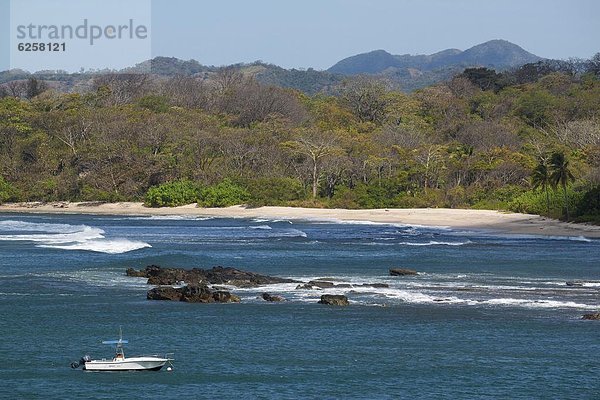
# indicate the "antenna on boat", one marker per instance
pixel 117 342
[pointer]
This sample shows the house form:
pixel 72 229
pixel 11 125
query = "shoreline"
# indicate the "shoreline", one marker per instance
pixel 483 220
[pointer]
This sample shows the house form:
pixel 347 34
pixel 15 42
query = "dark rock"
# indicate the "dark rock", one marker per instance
pixel 326 285
pixel 164 293
pixel 304 286
pixel 592 316
pixel 376 285
pixel 220 275
pixel 225 297
pixel 574 283
pixel 196 294
pixel 273 298
pixel 402 272
pixel 135 273
pixel 216 276
pixel 334 300
pixel 316 284
pixel 191 294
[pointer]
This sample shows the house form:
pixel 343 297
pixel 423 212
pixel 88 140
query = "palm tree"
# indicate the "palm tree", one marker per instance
pixel 541 179
pixel 560 174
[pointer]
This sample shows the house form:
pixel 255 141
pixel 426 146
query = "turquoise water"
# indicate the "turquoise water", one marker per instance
pixel 489 317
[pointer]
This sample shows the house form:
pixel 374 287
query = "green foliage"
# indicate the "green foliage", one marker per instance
pixel 498 199
pixel 535 107
pixel 7 191
pixel 588 208
pixel 275 191
pixel 534 202
pixel 158 104
pixel 472 142
pixel 173 194
pixel 484 78
pixel 89 193
pixel 224 194
pixel 377 195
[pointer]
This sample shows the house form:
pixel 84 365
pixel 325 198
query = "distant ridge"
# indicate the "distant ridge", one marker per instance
pixel 409 72
pixel 497 54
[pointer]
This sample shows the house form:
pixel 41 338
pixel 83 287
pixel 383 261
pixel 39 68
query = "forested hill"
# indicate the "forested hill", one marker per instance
pixel 496 54
pixel 526 139
pixel 408 73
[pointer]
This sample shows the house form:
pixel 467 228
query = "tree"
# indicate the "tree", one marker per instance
pixel 34 87
pixel 560 174
pixel 593 65
pixel 366 97
pixel 315 146
pixel 541 179
pixel 484 78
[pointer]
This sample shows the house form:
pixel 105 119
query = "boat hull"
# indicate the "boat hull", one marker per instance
pixel 128 364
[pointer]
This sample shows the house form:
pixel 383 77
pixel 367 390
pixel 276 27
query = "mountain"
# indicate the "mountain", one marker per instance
pixel 497 54
pixel 410 72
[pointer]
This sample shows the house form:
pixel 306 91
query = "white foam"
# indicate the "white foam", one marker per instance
pixel 171 218
pixel 108 246
pixel 418 293
pixel 434 243
pixel 67 237
pixel 262 220
pixel 292 233
pixel 591 284
pixel 373 223
pixel 513 236
pixel 265 227
pixel 530 303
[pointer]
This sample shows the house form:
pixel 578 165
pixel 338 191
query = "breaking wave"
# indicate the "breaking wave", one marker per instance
pixel 171 218
pixel 435 243
pixel 66 237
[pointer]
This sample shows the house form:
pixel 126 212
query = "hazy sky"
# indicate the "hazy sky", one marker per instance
pixel 318 33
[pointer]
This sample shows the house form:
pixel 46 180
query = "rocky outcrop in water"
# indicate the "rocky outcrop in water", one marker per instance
pixel 216 276
pixel 574 283
pixel 272 297
pixel 316 285
pixel 334 300
pixel 402 272
pixel 191 294
pixel 312 285
pixel 592 316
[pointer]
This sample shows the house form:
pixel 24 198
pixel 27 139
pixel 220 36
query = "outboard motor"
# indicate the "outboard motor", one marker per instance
pixel 81 362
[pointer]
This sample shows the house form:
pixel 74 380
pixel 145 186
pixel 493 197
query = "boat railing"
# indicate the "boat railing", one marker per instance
pixel 168 356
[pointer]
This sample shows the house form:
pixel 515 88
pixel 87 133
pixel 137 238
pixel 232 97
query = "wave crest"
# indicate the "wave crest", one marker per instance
pixel 66 237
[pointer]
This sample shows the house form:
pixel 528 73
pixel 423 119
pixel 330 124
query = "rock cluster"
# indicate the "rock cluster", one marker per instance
pixel 312 285
pixel 402 272
pixel 197 280
pixel 216 276
pixel 272 297
pixel 334 300
pixel 592 316
pixel 201 285
pixel 192 294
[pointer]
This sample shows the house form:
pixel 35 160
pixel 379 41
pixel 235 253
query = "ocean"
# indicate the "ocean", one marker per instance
pixel 489 316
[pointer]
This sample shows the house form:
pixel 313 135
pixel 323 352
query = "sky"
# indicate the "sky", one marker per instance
pixel 318 33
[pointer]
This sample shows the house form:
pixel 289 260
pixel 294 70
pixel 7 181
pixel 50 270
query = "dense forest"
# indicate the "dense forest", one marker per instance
pixel 527 140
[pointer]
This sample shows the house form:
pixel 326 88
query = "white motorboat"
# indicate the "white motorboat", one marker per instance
pixel 121 363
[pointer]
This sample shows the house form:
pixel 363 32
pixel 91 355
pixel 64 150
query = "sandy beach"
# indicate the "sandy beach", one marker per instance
pixel 493 221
